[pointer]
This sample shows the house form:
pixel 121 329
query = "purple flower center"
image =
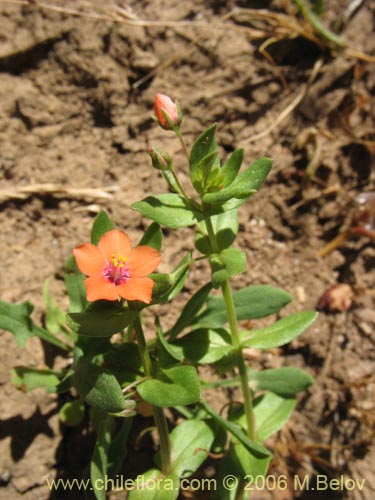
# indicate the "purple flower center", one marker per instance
pixel 117 271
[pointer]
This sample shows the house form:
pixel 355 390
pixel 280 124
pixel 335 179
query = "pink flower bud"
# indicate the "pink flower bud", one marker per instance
pixel 164 105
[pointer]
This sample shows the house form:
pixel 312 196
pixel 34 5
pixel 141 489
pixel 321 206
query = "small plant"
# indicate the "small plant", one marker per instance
pixel 110 283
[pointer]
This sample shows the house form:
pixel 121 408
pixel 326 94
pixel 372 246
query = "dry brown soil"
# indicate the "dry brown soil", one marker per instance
pixel 76 96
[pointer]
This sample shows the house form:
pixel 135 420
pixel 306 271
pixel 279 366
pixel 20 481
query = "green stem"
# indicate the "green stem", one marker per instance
pixel 240 362
pixel 236 342
pixel 159 417
pixel 183 145
pixel 179 185
pixel 316 23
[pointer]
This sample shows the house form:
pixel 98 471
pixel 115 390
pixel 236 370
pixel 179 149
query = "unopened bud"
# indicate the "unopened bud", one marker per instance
pixel 167 112
pixel 160 159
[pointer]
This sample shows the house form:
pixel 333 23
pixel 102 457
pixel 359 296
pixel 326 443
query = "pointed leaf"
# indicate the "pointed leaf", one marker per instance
pixel 204 345
pixel 252 302
pixel 201 170
pixel 203 146
pixel 271 413
pixel 153 237
pixel 74 282
pixel 190 310
pixel 281 332
pixel 231 167
pixel 102 224
pixel 174 352
pixel 244 185
pixel 55 317
pixel 176 280
pixel 103 319
pixel 169 210
pixel 118 449
pixel 256 449
pixel 27 379
pixel 285 381
pixel 191 442
pixel 250 464
pixel 15 318
pixel 98 466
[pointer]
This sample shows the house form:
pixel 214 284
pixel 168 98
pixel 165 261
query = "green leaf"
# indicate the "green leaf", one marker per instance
pixel 102 224
pixel 72 413
pixel 225 227
pixel 66 383
pixel 170 210
pixel 281 332
pixel 204 345
pixel 26 378
pixel 250 465
pixel 103 320
pixel 98 465
pixel 228 466
pixel 174 386
pixel 285 381
pixel 231 167
pixel 204 145
pixel 49 337
pixel 201 170
pixel 271 413
pixel 55 318
pixel 118 449
pixel 153 237
pixel 15 318
pixel 98 387
pixel 190 442
pixel 190 310
pixel 167 286
pixel 154 485
pixel 318 6
pixel 252 302
pixel 74 282
pixel 123 361
pixel 227 264
pixel 174 352
pixel 256 449
pixel 244 185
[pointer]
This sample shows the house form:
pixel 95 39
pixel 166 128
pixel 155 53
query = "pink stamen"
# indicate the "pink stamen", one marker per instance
pixel 116 274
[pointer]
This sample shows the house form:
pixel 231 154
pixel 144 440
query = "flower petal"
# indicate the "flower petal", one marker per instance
pixel 90 260
pixel 137 289
pixel 142 261
pixel 99 288
pixel 115 242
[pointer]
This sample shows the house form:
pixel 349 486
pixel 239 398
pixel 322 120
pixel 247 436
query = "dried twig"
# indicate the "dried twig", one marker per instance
pixel 291 107
pixel 24 192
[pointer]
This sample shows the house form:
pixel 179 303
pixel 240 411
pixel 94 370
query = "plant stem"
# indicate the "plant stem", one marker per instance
pixel 159 417
pixel 236 342
pixel 183 145
pixel 179 185
pixel 238 355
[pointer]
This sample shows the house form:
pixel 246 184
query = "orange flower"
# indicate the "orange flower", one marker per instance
pixel 115 269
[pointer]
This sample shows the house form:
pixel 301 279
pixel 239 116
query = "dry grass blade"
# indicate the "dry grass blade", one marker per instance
pixel 24 192
pixel 275 25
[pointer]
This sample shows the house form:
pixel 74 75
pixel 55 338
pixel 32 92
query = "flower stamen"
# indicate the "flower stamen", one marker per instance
pixel 116 271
